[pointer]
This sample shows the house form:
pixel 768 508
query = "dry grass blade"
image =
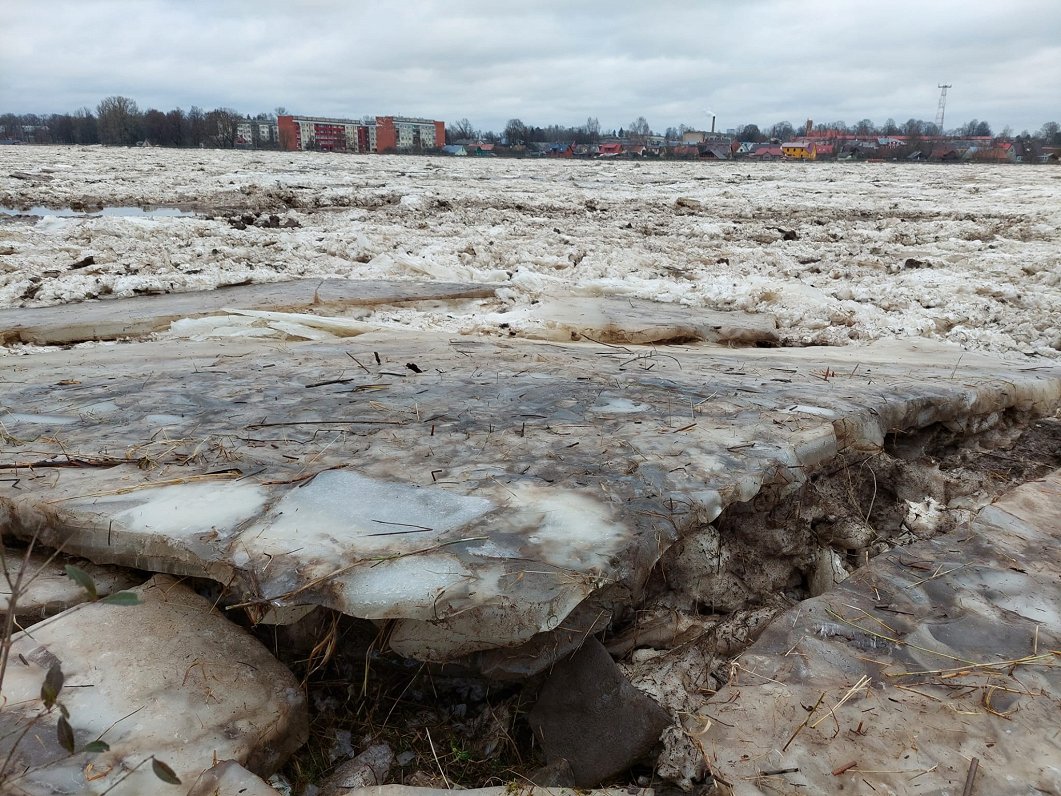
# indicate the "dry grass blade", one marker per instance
pixel 438 763
pixel 225 474
pixel 1044 659
pixel 863 681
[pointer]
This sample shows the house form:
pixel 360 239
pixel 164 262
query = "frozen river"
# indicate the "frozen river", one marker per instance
pixel 837 252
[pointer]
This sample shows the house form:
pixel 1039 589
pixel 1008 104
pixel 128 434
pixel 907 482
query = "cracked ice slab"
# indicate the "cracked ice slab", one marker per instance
pixel 168 677
pixel 111 319
pixel 955 640
pixel 474 491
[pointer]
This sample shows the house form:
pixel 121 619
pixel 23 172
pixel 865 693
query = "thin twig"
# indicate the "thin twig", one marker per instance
pixel 970 778
pixel 328 423
pixel 804 723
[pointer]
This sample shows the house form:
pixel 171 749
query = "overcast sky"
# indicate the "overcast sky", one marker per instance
pixel 758 61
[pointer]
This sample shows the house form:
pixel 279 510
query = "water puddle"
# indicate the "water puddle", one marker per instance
pixel 68 212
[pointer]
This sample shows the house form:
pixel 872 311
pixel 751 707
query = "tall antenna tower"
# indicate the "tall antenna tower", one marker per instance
pixel 942 105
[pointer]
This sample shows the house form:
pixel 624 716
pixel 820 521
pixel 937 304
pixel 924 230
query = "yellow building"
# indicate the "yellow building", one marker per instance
pixel 799 150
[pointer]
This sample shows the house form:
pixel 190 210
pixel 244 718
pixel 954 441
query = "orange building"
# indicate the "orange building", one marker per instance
pixel 405 134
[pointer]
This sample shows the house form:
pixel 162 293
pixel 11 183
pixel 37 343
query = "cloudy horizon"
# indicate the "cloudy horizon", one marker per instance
pixel 761 61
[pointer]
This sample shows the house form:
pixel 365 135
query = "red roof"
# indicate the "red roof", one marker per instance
pixel 769 151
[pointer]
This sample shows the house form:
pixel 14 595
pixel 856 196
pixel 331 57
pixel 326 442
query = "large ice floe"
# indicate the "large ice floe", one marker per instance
pixel 475 492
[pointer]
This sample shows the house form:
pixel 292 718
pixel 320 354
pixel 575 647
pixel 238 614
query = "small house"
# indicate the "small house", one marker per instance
pixel 767 152
pixel 799 150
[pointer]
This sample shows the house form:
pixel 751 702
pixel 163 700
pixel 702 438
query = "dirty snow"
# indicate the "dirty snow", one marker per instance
pixel 969 254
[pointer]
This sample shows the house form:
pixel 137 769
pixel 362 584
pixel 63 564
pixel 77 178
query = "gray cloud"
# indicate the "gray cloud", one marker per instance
pixel 755 61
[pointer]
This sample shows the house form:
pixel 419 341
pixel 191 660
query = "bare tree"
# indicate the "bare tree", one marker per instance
pixel 176 127
pixel 11 126
pixel 751 132
pixel 154 125
pixel 460 130
pixel 119 121
pixel 86 129
pixel 61 126
pixel 782 131
pixel 865 127
pixel 639 130
pixel 196 126
pixel 222 127
pixel 593 129
pixel 516 132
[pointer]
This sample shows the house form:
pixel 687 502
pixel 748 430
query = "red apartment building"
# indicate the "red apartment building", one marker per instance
pixel 404 134
pixel 386 134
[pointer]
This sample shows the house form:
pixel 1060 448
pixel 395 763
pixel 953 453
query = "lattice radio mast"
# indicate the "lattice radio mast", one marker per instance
pixel 942 105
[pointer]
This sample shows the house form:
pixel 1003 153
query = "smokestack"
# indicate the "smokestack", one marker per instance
pixel 712 124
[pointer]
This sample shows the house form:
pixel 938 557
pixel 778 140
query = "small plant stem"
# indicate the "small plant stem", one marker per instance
pixel 126 775
pixel 12 603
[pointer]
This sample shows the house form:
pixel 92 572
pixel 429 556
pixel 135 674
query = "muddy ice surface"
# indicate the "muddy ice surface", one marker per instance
pixel 473 492
pixel 966 254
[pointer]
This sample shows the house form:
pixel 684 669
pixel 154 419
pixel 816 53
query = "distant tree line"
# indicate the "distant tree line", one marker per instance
pixel 912 127
pixel 118 121
pixel 517 133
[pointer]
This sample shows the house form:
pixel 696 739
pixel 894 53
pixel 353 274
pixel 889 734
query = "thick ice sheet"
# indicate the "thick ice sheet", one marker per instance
pixel 476 492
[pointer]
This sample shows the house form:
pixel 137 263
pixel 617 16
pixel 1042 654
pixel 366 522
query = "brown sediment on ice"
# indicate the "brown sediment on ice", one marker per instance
pixel 620 321
pixel 933 656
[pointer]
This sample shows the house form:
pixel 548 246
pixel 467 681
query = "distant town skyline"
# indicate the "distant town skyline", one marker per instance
pixel 758 62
